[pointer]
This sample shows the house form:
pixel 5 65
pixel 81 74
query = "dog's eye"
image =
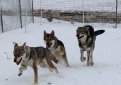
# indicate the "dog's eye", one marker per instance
pixel 18 54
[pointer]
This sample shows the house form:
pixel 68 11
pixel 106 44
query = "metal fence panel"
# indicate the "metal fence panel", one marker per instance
pixel 11 13
pixel 26 9
pixel 91 11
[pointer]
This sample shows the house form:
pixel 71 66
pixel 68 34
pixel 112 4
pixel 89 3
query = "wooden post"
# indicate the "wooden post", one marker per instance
pixel 83 16
pixel 40 12
pixel 20 13
pixel 32 12
pixel 25 18
pixel 116 12
pixel 1 17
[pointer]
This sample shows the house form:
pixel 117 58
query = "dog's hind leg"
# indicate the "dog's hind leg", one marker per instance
pixel 21 69
pixel 82 56
pixel 35 72
pixel 64 58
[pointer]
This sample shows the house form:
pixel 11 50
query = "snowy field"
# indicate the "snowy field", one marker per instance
pixel 88 5
pixel 107 56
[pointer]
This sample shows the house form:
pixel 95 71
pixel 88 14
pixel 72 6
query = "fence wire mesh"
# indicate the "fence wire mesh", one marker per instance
pixel 10 14
pixel 13 12
pixel 102 11
pixel 79 5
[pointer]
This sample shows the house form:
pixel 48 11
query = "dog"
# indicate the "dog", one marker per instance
pixel 32 56
pixel 86 37
pixel 56 47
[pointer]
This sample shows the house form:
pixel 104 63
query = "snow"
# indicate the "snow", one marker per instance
pixel 107 56
pixel 78 5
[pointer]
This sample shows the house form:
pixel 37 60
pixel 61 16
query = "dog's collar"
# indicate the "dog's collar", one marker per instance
pixel 80 37
pixel 51 48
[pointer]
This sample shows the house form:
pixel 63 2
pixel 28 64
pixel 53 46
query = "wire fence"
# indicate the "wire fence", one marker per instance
pixel 13 12
pixel 18 13
pixel 88 11
pixel 78 5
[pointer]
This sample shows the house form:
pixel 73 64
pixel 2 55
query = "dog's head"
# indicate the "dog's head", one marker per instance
pixel 20 53
pixel 49 38
pixel 81 32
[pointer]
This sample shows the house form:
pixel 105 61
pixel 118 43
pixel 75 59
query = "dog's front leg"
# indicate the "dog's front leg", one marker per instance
pixel 82 56
pixel 35 72
pixel 21 69
pixel 91 57
pixel 88 57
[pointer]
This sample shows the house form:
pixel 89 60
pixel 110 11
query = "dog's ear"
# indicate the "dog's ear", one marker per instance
pixel 26 48
pixel 24 44
pixel 78 29
pixel 87 29
pixel 15 45
pixel 45 33
pixel 53 32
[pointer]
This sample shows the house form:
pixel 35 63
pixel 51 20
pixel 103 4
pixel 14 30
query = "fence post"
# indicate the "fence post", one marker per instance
pixel 32 11
pixel 116 13
pixel 83 16
pixel 20 13
pixel 25 18
pixel 40 11
pixel 1 16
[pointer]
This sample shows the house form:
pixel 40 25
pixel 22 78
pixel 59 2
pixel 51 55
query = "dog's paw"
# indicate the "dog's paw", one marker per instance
pixel 35 83
pixel 19 74
pixel 88 64
pixel 83 59
pixel 56 61
pixel 67 65
pixel 43 65
pixel 91 64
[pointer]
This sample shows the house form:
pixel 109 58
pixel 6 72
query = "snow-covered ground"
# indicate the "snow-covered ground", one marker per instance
pixel 107 56
pixel 88 5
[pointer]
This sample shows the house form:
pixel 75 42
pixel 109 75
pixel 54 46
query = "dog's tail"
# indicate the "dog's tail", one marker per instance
pixel 98 32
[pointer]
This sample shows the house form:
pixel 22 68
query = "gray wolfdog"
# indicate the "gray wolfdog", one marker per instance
pixel 56 47
pixel 86 37
pixel 31 56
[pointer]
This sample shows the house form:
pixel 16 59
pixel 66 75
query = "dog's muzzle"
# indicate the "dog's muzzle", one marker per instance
pixel 17 62
pixel 49 44
pixel 79 37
